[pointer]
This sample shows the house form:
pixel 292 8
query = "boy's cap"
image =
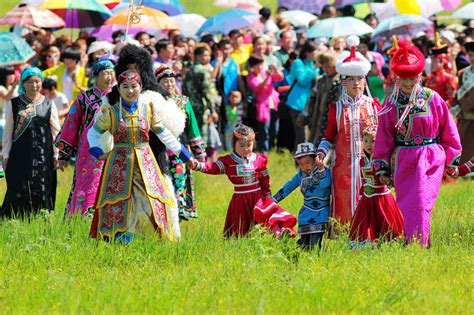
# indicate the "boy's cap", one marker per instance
pixel 304 149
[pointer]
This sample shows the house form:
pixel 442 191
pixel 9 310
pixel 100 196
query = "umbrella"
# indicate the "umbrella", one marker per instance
pixel 404 24
pixel 226 21
pixel 171 7
pixel 425 8
pixel 79 13
pixel 109 3
pixel 149 18
pixel 189 23
pixel 304 5
pixel 466 12
pixel 339 26
pixel 15 49
pixel 26 15
pixel 298 17
pixel 105 31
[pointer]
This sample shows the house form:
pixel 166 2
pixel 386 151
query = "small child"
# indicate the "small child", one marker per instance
pixel 315 185
pixel 247 171
pixel 377 216
pixel 50 90
pixel 234 112
pixel 213 138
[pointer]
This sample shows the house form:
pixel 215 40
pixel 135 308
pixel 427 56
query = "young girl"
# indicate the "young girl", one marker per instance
pixel 377 216
pixel 315 186
pixel 248 172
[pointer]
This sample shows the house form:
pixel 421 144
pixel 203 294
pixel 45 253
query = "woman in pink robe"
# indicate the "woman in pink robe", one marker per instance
pixel 416 139
pixel 72 141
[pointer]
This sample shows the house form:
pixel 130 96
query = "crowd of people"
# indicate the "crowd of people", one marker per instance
pixel 136 116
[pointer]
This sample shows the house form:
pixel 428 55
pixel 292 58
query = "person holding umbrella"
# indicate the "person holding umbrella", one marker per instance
pixel 417 130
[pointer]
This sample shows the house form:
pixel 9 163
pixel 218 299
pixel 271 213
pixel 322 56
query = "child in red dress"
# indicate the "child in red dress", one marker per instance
pixel 377 216
pixel 247 171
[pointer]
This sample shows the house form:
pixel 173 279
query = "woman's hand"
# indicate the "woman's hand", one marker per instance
pixel 192 163
pixel 5 162
pixel 103 157
pixel 386 180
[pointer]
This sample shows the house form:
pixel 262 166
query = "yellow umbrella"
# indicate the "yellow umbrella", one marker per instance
pixel 144 17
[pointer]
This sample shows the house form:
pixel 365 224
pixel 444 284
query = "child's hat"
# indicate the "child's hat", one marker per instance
pixel 303 149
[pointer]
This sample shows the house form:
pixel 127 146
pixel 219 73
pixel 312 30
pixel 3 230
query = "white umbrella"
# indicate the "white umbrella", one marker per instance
pixel 298 17
pixel 189 23
pixel 466 12
pixel 339 26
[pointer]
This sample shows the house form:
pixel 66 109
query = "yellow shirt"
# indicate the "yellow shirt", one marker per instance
pixel 59 71
pixel 241 56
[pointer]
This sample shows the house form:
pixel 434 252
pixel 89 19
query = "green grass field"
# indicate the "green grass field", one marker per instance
pixel 48 266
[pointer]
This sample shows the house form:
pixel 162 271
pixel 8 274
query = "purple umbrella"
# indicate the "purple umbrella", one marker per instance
pixel 304 5
pixel 105 31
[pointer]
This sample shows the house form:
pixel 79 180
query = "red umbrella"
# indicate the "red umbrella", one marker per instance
pixel 26 15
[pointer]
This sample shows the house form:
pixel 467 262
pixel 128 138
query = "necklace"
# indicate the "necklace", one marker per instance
pixel 34 100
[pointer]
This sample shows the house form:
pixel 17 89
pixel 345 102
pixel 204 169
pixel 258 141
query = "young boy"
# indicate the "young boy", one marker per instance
pixel 234 112
pixel 213 137
pixel 50 90
pixel 315 185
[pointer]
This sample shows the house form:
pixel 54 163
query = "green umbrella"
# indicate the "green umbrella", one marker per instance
pixel 14 49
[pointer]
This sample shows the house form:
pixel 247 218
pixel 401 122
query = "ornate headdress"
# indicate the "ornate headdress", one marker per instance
pixel 243 132
pixel 164 71
pixel 352 63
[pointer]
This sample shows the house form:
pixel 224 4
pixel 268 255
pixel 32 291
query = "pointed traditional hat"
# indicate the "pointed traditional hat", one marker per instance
pixel 352 63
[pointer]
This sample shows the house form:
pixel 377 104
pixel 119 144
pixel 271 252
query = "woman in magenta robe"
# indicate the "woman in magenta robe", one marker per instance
pixel 416 139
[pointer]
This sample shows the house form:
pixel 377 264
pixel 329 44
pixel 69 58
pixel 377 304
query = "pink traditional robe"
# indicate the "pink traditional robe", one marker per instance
pixel 72 142
pixel 346 122
pixel 416 154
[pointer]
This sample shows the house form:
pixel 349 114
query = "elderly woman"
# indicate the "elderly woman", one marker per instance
pixel 72 141
pixel 133 198
pixel 31 124
pixel 182 178
pixel 417 131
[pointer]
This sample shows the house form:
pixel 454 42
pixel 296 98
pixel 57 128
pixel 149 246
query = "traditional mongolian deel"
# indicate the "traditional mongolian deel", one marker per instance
pixel 134 197
pixel 377 216
pixel 72 142
pixel 347 119
pixel 426 141
pixel 316 189
pixel 30 173
pixel 251 182
pixel 183 181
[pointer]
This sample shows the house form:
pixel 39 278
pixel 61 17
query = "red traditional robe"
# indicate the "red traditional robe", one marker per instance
pixel 444 83
pixel 346 122
pixel 251 183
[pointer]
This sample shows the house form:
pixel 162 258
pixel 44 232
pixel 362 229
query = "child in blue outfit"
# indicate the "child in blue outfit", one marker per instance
pixel 315 185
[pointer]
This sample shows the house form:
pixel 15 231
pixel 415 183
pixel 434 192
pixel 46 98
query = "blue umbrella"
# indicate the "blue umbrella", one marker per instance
pixel 15 49
pixel 339 26
pixel 402 24
pixel 224 22
pixel 172 7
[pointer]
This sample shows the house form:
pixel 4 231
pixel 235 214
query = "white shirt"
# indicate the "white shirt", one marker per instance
pixel 68 86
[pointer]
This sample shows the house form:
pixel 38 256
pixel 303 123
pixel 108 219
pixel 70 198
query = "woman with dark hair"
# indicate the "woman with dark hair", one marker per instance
pixel 303 74
pixel 136 58
pixel 134 198
pixel 71 77
pixel 28 153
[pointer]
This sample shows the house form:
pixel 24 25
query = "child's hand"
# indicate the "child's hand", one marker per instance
pixel 319 161
pixel 192 163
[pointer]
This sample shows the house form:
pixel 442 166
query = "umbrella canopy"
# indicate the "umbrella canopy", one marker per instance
pixel 424 8
pixel 466 12
pixel 104 32
pixel 339 26
pixel 32 16
pixel 149 18
pixel 308 6
pixel 109 3
pixel 404 24
pixel 298 17
pixel 15 49
pixel 171 7
pixel 224 22
pixel 189 23
pixel 79 13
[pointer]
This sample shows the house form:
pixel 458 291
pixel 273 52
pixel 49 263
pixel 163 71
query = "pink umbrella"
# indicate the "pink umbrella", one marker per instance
pixel 26 15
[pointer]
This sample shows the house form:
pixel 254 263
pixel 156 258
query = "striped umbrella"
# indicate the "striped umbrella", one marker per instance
pixel 26 15
pixel 79 13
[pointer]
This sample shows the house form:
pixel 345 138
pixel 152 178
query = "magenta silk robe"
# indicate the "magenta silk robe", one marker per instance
pixel 416 154
pixel 72 142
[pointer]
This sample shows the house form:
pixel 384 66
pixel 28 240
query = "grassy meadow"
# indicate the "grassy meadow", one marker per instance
pixel 48 266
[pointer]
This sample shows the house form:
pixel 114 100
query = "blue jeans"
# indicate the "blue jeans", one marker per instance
pixel 267 131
